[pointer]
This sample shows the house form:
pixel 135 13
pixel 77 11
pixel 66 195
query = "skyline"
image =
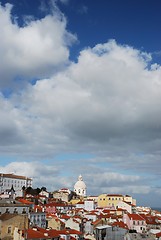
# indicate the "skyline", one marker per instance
pixel 80 93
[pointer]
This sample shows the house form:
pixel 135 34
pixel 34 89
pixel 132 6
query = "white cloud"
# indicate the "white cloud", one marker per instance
pixel 35 50
pixel 108 99
pixel 50 177
pixel 42 174
pixel 107 104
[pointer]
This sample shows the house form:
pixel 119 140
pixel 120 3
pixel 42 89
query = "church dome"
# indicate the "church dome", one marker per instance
pixel 80 187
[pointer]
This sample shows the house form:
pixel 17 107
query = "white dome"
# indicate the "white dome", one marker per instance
pixel 80 186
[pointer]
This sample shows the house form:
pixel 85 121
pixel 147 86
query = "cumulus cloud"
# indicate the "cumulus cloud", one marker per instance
pixel 37 49
pixel 109 99
pixel 11 132
pixel 107 104
pixel 101 183
pixel 110 94
pixel 38 172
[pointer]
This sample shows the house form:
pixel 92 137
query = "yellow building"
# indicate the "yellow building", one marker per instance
pixel 102 201
pixel 54 223
pixel 109 200
pixel 128 199
pixel 8 223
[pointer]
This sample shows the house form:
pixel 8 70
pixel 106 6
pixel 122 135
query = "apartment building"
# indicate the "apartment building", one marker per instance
pixel 109 200
pixel 7 181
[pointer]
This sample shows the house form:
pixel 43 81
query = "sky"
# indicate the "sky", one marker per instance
pixel 80 93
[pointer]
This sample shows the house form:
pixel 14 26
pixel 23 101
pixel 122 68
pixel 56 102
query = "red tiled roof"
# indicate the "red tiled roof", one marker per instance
pixel 69 231
pixel 97 222
pixel 25 201
pixel 6 216
pixel 36 233
pixel 91 214
pixel 158 235
pixel 64 232
pixel 135 216
pixel 53 233
pixel 52 215
pixel 106 210
pixel 38 208
pixel 120 224
pixel 72 238
pixel 106 215
pixel 64 217
pixel 120 209
pixel 11 175
pixel 76 221
pixel 114 195
pixel 77 217
pixel 80 202
pixel 152 220
pixel 73 231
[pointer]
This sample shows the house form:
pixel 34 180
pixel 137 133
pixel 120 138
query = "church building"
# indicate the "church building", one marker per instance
pixel 80 187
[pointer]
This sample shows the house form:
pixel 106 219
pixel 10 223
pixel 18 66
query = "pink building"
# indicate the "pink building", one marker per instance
pixel 135 222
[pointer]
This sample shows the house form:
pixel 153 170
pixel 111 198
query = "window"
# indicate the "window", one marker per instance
pixel 134 222
pixel 7 210
pixel 24 210
pixel 15 210
pixel 109 198
pixel 9 229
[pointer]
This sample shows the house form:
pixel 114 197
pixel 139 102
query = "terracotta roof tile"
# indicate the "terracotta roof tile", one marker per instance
pixel 135 216
pixel 120 224
pixel 11 175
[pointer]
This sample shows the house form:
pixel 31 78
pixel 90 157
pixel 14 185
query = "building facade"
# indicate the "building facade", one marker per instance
pixel 13 207
pixel 7 181
pixel 8 223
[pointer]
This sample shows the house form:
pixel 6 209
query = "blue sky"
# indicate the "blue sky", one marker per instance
pixel 80 93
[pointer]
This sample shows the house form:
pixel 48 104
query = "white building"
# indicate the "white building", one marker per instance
pixel 80 187
pixel 7 181
pixel 89 205
pixel 124 205
pixel 37 218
